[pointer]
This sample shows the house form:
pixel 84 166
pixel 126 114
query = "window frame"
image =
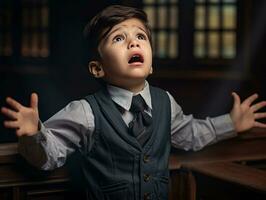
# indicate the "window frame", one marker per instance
pixel 16 33
pixel 186 61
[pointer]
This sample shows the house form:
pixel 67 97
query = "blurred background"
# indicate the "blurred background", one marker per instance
pixel 203 50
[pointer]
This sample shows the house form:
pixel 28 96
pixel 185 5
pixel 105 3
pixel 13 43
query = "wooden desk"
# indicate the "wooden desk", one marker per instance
pixel 20 181
pixel 227 161
pixel 230 161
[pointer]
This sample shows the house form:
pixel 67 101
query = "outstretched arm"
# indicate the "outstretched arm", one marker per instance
pixel 244 115
pixel 24 119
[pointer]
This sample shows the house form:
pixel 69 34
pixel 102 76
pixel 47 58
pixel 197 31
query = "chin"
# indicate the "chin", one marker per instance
pixel 141 76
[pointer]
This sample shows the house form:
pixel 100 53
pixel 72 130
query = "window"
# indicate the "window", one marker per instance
pixel 196 34
pixel 24 34
pixel 35 22
pixel 215 27
pixel 163 17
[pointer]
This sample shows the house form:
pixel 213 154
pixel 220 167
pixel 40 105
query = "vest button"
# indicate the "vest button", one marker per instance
pixel 146 158
pixel 147 196
pixel 146 177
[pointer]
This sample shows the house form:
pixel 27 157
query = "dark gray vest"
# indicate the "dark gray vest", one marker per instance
pixel 117 167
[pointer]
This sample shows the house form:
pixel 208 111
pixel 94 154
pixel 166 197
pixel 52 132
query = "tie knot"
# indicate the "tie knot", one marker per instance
pixel 138 104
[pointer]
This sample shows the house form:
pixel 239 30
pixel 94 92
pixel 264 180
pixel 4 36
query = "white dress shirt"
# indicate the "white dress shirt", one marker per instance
pixel 60 134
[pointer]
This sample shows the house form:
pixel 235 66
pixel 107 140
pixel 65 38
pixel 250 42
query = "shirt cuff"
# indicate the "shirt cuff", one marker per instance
pixel 224 127
pixel 30 147
pixel 39 137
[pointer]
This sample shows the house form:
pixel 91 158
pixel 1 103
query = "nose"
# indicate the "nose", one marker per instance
pixel 133 43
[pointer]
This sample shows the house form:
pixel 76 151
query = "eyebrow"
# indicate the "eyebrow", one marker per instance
pixel 121 27
pixel 113 31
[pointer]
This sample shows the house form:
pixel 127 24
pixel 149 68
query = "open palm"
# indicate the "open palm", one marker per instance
pixel 244 115
pixel 23 119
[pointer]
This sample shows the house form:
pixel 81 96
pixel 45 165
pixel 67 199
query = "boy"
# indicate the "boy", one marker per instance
pixel 124 149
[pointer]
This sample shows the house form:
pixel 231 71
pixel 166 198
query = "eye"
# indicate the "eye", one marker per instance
pixel 141 36
pixel 118 38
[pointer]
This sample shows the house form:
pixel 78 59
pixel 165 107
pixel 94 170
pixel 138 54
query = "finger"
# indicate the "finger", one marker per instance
pixel 237 100
pixel 19 132
pixel 34 101
pixel 13 103
pixel 248 101
pixel 260 115
pixel 259 125
pixel 11 124
pixel 9 113
pixel 258 106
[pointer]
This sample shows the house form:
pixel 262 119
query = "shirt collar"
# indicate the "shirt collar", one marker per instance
pixel 123 97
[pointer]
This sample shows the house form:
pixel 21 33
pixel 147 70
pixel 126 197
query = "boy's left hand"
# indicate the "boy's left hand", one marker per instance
pixel 244 115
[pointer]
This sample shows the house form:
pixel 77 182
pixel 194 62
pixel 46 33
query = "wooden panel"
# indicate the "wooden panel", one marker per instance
pixel 5 194
pixel 232 172
pixel 249 147
pixel 47 192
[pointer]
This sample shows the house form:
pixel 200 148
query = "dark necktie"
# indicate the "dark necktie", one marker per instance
pixel 138 126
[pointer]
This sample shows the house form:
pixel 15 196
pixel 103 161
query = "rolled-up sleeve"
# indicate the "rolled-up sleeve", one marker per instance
pixel 189 133
pixel 59 136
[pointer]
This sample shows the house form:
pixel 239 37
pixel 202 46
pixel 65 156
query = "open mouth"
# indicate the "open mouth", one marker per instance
pixel 136 58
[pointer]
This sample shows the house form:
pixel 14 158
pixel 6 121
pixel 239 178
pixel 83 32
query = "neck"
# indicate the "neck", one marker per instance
pixel 134 88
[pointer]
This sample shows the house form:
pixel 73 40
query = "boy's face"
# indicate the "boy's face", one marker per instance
pixel 126 55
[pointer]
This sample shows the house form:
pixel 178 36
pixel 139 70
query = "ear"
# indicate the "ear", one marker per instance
pixel 151 70
pixel 96 69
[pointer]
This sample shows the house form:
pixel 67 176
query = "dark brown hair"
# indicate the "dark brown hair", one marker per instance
pixel 101 24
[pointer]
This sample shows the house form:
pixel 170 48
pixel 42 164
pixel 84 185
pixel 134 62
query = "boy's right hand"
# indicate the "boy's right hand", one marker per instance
pixel 24 119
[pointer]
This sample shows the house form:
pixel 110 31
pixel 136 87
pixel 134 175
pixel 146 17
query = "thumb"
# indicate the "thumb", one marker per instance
pixel 34 101
pixel 237 100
